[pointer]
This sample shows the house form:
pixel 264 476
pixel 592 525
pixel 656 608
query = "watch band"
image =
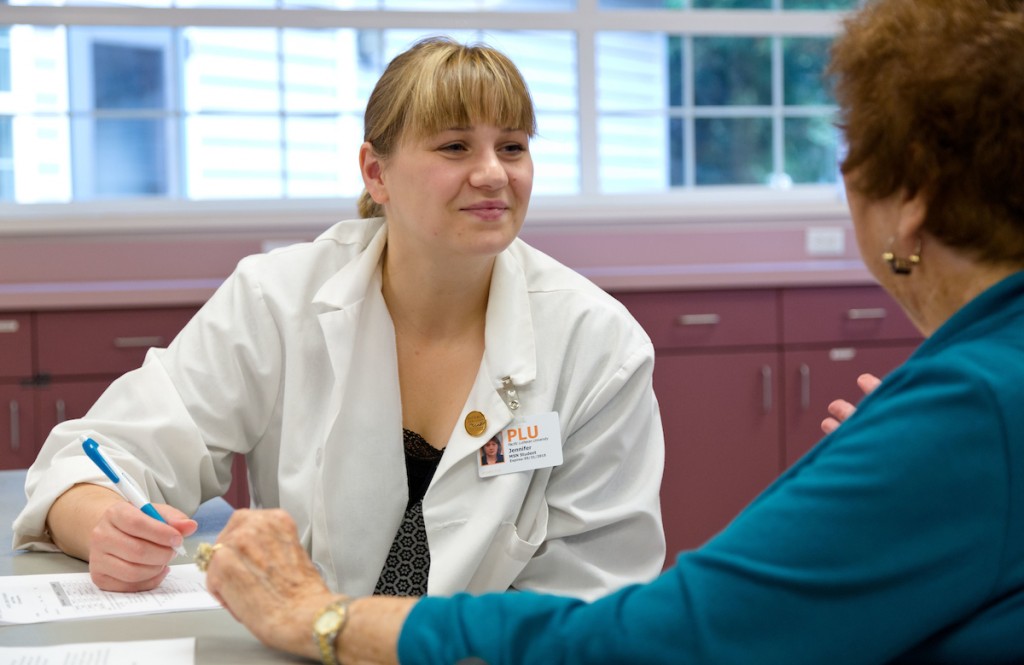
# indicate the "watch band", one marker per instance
pixel 326 639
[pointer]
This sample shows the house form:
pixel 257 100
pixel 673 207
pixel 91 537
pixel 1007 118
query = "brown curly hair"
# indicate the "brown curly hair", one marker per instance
pixel 931 98
pixel 437 84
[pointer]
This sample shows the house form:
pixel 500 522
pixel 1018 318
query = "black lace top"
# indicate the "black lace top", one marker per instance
pixel 408 565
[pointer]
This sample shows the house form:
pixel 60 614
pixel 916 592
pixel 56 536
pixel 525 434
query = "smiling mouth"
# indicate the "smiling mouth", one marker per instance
pixel 492 212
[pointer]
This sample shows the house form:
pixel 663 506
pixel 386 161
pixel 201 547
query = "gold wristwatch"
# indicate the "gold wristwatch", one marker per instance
pixel 327 626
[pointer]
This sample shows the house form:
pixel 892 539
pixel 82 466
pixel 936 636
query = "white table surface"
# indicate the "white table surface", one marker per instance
pixel 219 638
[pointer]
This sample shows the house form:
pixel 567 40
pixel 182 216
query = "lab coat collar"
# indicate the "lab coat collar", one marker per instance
pixel 510 348
pixel 509 345
pixel 349 285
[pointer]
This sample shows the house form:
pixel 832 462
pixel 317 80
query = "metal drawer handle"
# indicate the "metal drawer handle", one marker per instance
pixel 15 428
pixel 865 313
pixel 699 319
pixel 9 325
pixel 766 388
pixel 138 342
pixel 805 386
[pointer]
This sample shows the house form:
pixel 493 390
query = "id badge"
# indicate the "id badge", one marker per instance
pixel 528 442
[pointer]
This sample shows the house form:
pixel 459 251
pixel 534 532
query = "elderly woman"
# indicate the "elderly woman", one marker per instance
pixel 900 537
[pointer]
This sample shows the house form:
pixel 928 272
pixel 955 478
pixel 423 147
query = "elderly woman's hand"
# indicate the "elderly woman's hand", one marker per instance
pixel 263 576
pixel 839 410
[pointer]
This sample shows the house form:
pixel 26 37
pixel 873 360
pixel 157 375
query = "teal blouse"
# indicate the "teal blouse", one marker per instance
pixel 898 538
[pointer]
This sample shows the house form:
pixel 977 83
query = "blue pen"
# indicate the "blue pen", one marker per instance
pixel 124 484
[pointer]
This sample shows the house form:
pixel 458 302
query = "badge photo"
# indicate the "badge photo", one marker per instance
pixel 492 452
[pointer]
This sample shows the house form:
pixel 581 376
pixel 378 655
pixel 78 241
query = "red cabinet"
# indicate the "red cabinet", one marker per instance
pixel 82 352
pixel 683 320
pixel 54 365
pixel 15 346
pixel 238 494
pixel 79 353
pixel 104 342
pixel 57 401
pixel 744 377
pixel 18 445
pixel 717 380
pixel 816 376
pixel 831 336
pixel 720 415
pixel 850 314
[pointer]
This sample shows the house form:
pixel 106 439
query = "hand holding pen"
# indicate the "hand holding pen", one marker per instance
pixel 124 484
pixel 127 549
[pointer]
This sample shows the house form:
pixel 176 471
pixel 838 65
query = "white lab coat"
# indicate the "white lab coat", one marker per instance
pixel 292 362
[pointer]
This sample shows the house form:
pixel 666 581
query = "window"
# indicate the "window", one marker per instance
pixel 263 99
pixel 6 159
pixel 5 59
pixel 6 134
pixel 120 92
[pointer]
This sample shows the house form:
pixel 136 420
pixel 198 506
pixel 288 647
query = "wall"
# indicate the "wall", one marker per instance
pixel 114 263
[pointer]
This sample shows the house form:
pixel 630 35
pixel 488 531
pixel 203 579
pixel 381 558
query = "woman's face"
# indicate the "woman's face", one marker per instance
pixel 463 191
pixel 491 448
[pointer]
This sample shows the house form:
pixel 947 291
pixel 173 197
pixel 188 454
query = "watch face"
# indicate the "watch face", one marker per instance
pixel 327 622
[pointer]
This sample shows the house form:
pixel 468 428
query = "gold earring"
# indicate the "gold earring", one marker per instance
pixel 899 264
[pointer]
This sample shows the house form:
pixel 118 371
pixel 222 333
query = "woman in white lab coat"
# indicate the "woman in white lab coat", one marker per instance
pixel 426 322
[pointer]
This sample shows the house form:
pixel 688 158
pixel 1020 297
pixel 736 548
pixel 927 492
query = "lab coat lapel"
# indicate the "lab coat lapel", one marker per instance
pixel 341 300
pixel 509 350
pixel 509 344
pixel 361 489
pixel 459 507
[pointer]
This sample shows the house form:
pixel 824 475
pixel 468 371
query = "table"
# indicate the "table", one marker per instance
pixel 219 638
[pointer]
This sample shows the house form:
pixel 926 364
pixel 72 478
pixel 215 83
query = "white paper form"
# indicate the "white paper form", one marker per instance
pixel 179 651
pixel 39 598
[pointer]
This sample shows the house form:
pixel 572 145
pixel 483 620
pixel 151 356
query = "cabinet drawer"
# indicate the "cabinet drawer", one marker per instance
pixel 104 341
pixel 843 314
pixel 15 346
pixel 18 445
pixel 679 320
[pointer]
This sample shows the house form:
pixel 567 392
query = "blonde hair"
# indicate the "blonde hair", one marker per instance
pixel 438 84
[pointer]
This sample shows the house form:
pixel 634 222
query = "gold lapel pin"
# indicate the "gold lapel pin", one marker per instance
pixel 476 423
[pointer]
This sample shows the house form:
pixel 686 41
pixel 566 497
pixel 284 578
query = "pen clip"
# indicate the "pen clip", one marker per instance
pixel 92 449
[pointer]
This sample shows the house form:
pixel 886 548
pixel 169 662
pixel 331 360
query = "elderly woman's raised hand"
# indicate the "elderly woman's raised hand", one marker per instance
pixel 839 410
pixel 261 573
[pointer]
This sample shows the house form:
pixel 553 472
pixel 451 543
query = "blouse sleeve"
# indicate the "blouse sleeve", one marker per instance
pixel 893 528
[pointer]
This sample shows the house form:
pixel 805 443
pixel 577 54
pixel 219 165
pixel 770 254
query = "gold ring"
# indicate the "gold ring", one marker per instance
pixel 204 553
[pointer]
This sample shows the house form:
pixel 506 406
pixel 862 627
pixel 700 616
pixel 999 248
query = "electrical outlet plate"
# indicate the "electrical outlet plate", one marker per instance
pixel 825 241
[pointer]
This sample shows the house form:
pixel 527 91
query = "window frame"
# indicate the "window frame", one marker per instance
pixel 706 204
